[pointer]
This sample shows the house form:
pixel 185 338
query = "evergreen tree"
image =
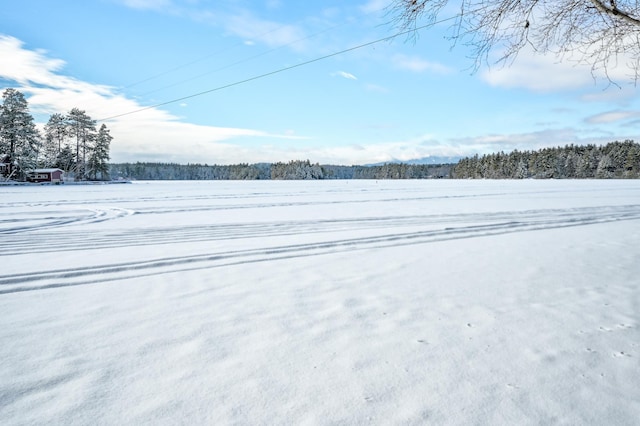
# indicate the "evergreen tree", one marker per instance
pixel 19 138
pixel 83 129
pixel 98 159
pixel 55 134
pixel 49 152
pixel 632 162
pixel 614 160
pixel 66 159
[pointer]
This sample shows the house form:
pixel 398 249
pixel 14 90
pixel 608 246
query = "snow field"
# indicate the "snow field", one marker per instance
pixel 390 302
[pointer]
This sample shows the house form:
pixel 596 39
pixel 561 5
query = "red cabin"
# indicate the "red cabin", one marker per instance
pixel 45 175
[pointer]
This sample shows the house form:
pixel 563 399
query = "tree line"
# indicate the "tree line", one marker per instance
pixel 615 160
pixel 69 142
pixel 72 143
pixel 292 170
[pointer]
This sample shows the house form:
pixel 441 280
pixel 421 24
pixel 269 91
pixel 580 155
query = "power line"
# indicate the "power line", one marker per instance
pixel 280 70
pixel 250 58
pixel 275 30
pixel 195 61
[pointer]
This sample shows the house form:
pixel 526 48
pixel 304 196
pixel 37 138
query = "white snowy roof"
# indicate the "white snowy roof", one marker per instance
pixel 46 170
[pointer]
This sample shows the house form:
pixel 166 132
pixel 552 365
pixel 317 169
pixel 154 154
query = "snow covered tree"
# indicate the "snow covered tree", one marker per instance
pixel 296 170
pixel 49 152
pixel 19 138
pixel 66 159
pixel 98 165
pixel 55 135
pixel 632 162
pixel 83 129
pixel 606 168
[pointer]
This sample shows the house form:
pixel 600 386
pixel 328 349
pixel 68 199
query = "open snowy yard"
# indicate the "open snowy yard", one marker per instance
pixel 331 302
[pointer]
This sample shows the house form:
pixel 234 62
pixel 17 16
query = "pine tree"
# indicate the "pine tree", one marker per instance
pixel 632 162
pixel 66 159
pixel 55 134
pixel 98 160
pixel 83 129
pixel 19 138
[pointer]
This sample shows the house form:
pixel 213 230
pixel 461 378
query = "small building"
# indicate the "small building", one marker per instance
pixel 4 164
pixel 45 175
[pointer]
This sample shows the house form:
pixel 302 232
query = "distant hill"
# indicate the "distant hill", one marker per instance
pixel 423 160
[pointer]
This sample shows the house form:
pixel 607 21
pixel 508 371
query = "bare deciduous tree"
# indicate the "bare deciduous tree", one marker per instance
pixel 603 34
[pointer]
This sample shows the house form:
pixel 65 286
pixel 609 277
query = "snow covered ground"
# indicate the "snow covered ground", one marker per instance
pixel 340 302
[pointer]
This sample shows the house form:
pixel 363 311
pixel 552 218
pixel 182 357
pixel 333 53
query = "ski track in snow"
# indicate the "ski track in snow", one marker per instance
pixel 384 231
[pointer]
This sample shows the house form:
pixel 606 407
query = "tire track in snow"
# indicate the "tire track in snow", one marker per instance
pixel 67 240
pixel 101 211
pixel 56 219
pixel 516 222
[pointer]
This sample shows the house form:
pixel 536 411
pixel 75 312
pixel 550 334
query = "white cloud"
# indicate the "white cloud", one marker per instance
pixel 274 4
pixel 376 88
pixel 618 95
pixel 367 154
pixel 149 133
pixel 548 73
pixel 485 144
pixel 344 74
pixel 612 117
pixel 417 64
pixel 148 4
pixel 373 6
pixel 427 145
pixel 273 34
pixel 241 23
pixel 22 65
pixel 540 73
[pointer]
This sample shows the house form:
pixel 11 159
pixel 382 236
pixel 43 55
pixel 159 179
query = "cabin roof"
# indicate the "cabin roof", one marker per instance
pixel 45 170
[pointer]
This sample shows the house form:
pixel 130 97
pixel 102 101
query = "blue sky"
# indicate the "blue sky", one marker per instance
pixel 394 100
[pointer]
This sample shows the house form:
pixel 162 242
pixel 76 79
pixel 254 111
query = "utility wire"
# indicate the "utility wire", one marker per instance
pixel 280 70
pixel 266 52
pixel 195 61
pixel 275 30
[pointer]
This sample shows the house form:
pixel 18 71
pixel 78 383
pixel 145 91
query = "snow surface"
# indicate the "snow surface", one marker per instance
pixel 341 302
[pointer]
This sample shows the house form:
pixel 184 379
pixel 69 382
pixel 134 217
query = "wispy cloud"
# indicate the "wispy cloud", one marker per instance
pixel 148 4
pixel 234 20
pixel 376 88
pixel 612 117
pixel 22 65
pixel 344 74
pixel 432 145
pixel 420 147
pixel 621 96
pixel 271 33
pixel 274 4
pixel 550 73
pixel 489 143
pixel 417 64
pixel 373 6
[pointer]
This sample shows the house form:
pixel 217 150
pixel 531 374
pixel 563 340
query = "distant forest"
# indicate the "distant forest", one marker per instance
pixel 293 170
pixel 614 160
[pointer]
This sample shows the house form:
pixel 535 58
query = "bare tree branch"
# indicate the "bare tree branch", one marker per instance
pixel 613 10
pixel 602 33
